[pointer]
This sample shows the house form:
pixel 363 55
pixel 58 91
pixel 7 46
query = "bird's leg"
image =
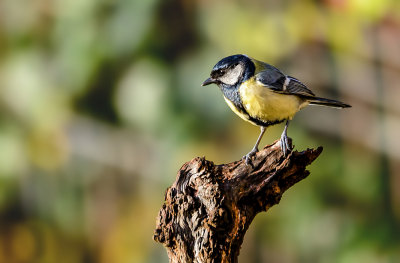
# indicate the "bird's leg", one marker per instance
pixel 248 156
pixel 284 140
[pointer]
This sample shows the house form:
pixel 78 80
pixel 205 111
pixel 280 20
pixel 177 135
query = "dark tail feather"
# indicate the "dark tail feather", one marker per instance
pixel 327 102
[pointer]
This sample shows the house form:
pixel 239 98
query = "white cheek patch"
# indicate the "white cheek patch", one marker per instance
pixel 232 76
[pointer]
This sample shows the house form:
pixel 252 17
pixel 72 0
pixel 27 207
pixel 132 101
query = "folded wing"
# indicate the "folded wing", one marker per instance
pixel 275 80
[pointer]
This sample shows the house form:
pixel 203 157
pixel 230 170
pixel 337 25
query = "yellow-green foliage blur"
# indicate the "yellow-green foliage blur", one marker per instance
pixel 101 103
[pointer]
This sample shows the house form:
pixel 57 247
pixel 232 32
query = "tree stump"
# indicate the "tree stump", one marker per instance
pixel 209 208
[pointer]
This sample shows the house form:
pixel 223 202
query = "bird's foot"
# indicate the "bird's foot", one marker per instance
pixel 285 146
pixel 248 156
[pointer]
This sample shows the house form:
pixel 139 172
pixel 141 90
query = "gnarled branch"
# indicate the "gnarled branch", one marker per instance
pixel 209 208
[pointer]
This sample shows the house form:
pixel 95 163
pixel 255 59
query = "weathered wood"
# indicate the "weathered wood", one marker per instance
pixel 209 208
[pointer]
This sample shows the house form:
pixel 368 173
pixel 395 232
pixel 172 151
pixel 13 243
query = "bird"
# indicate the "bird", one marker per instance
pixel 262 95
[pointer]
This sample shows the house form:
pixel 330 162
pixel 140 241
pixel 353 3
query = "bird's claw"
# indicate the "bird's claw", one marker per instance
pixel 248 156
pixel 285 145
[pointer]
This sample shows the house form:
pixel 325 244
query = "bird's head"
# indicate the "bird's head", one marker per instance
pixel 231 71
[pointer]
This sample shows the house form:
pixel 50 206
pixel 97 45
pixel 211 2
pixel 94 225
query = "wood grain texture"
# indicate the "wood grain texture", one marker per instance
pixel 209 207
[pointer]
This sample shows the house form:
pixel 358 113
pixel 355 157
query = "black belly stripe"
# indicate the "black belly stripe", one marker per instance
pixel 263 123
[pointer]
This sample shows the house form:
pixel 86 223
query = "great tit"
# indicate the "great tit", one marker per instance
pixel 262 95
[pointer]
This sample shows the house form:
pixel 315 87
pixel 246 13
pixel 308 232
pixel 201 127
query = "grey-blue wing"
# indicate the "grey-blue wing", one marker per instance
pixel 275 80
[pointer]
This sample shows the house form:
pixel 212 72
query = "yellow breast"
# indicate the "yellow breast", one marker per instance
pixel 264 104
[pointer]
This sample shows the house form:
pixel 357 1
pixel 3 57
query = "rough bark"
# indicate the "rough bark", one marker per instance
pixel 209 208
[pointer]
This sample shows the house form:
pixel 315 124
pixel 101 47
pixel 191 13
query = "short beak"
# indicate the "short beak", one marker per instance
pixel 208 82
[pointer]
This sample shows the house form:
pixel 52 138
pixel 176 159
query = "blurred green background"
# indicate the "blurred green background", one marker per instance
pixel 101 104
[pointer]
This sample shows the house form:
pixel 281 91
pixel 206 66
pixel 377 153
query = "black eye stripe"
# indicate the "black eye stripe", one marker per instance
pixel 223 70
pixel 220 72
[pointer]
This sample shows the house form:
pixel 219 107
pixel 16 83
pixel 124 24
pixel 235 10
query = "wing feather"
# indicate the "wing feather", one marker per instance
pixel 275 80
